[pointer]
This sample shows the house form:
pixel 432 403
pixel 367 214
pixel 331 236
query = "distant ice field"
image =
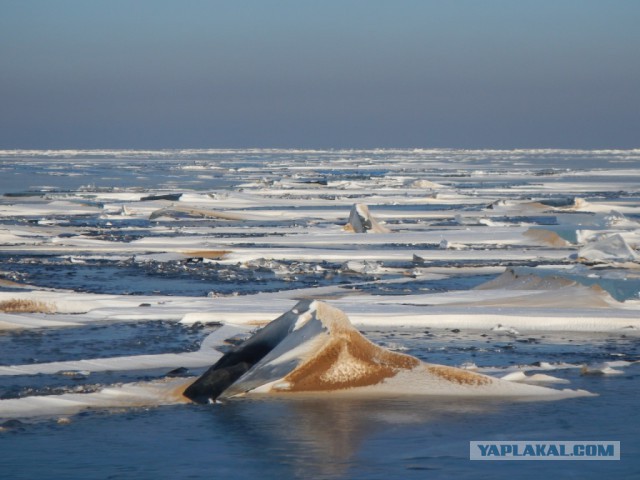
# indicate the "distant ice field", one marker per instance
pixel 126 273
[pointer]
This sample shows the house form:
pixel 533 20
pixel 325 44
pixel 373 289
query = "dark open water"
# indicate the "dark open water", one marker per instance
pixel 330 438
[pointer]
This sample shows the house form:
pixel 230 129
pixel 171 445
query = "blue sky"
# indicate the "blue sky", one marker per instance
pixel 319 74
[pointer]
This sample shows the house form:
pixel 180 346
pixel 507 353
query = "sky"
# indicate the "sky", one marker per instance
pixel 319 74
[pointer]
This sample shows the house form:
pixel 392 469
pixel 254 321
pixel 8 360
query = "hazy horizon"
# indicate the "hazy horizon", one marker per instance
pixel 285 74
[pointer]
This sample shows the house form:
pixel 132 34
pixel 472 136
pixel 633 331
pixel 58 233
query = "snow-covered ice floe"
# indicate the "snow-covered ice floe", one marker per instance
pixel 310 350
pixel 131 395
pixel 313 348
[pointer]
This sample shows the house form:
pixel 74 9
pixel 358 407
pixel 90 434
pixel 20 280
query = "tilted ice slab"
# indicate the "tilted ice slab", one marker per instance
pixel 361 221
pixel 314 349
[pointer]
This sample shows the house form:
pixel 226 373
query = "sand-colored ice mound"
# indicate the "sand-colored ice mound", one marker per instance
pixel 20 305
pixel 545 290
pixel 313 348
pixel 361 221
pixel 546 237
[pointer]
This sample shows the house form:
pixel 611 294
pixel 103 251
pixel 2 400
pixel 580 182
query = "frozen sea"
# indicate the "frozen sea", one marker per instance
pixel 119 267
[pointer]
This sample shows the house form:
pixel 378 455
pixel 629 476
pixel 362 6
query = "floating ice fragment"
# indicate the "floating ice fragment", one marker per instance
pixel 364 267
pixel 617 219
pixel 423 183
pixel 174 197
pixel 604 369
pixel 535 378
pixel 564 202
pixel 448 245
pixel 361 221
pixel 505 330
pixel 469 366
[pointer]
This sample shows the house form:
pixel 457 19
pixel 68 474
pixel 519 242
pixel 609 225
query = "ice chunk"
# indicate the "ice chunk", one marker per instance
pixel 448 245
pixel 505 330
pixel 428 184
pixel 604 369
pixel 520 376
pixel 546 237
pixel 361 221
pixel 608 248
pixel 313 348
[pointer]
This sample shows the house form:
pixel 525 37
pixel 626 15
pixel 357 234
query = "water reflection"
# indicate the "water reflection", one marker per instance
pixel 321 438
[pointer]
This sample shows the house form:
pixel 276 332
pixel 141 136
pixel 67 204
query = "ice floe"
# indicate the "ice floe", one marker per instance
pixel 603 369
pixel 313 348
pixel 130 395
pixel 534 378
